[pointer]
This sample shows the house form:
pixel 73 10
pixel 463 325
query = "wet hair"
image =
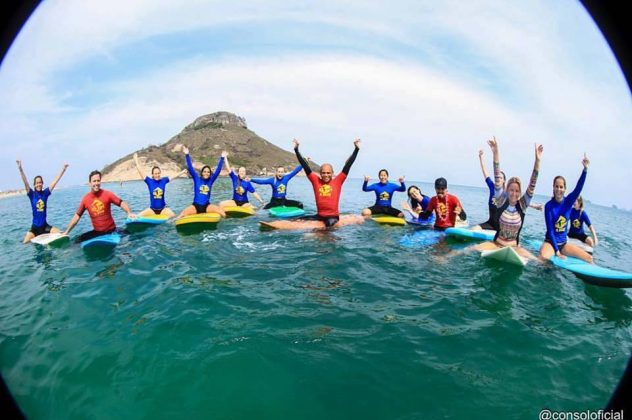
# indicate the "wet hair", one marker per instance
pixel 580 200
pixel 504 176
pixel 35 179
pixel 382 170
pixel 93 173
pixel 413 202
pixel 152 169
pixel 514 179
pixel 559 177
pixel 204 167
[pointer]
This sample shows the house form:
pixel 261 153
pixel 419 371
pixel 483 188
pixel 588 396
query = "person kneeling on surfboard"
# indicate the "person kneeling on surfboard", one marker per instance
pixel 241 188
pixel 510 207
pixel 38 197
pixel 279 188
pixel 578 218
pixel 383 195
pixel 98 202
pixel 202 185
pixel 156 185
pixel 557 215
pixel 446 207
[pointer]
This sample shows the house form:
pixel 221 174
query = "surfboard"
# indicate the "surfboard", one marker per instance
pixel 284 212
pixel 414 221
pixel 470 235
pixel 143 222
pixel 197 222
pixel 506 254
pixel 421 238
pixel 51 239
pixel 238 211
pixel 590 273
pixel 107 240
pixel 389 220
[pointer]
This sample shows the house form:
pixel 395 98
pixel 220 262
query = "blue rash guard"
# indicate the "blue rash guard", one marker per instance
pixel 425 200
pixel 383 192
pixel 578 218
pixel 279 186
pixel 157 192
pixel 557 215
pixel 38 205
pixel 202 187
pixel 241 188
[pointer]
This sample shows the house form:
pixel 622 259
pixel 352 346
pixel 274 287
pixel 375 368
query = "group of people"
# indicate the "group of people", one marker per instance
pixel 507 204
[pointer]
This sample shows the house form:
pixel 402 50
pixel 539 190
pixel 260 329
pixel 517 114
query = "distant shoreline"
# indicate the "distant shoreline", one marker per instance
pixel 12 193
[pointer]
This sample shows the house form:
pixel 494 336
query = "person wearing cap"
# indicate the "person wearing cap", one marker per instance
pixel 446 207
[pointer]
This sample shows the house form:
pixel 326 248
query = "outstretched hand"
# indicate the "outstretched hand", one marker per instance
pixel 538 151
pixel 366 178
pixel 295 143
pixel 19 162
pixel 401 179
pixel 493 144
pixel 185 150
pixel 480 153
pixel 585 161
pixel 66 166
pixel 356 143
pixel 224 154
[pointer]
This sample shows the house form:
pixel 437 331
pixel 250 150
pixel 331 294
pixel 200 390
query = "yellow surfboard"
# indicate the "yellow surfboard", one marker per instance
pixel 238 211
pixel 389 220
pixel 199 220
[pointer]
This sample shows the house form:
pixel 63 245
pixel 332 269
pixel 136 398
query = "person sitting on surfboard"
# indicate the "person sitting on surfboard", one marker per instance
pixel 202 185
pixel 417 202
pixel 241 188
pixel 578 218
pixel 98 202
pixel 510 207
pixel 38 197
pixel 447 207
pixel 491 201
pixel 279 188
pixel 383 195
pixel 557 213
pixel 156 185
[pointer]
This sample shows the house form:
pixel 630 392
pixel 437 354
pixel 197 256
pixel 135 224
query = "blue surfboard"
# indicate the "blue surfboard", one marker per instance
pixel 414 221
pixel 421 238
pixel 590 273
pixel 472 235
pixel 284 212
pixel 108 240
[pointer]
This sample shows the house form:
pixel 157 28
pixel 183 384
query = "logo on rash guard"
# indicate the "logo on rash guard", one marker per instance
pixel 204 189
pixel 442 209
pixel 576 224
pixel 325 190
pixel 385 196
pixel 97 208
pixel 240 190
pixel 40 205
pixel 158 193
pixel 281 189
pixel 560 225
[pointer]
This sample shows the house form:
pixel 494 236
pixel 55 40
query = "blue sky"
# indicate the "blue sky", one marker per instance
pixel 423 83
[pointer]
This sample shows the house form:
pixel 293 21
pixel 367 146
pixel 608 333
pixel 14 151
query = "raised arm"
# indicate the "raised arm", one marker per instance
pixel 24 179
pixel 190 167
pixel 300 158
pixel 223 157
pixel 349 162
pixel 263 181
pixel 402 186
pixel 365 185
pixel 498 183
pixel 528 194
pixel 140 172
pixel 293 173
pixel 580 183
pixel 179 174
pixel 483 168
pixel 53 184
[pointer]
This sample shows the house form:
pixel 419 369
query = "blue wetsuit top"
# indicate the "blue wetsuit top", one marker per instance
pixel 38 205
pixel 578 218
pixel 492 191
pixel 157 192
pixel 383 192
pixel 279 186
pixel 241 188
pixel 201 187
pixel 425 200
pixel 557 215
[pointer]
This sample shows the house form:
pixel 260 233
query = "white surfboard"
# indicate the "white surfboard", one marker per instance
pixel 50 239
pixel 506 254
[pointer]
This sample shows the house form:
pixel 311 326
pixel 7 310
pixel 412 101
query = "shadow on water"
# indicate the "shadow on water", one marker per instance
pixel 494 286
pixel 614 304
pixel 99 253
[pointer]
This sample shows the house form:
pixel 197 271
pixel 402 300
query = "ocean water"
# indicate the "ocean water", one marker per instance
pixel 240 323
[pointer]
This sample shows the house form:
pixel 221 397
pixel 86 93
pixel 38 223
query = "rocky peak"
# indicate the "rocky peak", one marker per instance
pixel 216 120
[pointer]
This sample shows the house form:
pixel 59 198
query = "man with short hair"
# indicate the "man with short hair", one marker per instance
pixel 98 202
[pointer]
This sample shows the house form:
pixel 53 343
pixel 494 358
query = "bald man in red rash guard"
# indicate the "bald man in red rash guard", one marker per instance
pixel 98 202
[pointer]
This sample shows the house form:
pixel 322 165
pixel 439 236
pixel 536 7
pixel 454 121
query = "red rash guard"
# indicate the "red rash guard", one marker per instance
pixel 98 206
pixel 444 210
pixel 327 195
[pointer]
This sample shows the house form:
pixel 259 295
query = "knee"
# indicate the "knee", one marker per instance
pixel 366 212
